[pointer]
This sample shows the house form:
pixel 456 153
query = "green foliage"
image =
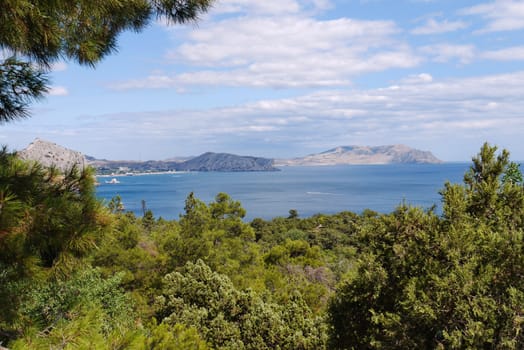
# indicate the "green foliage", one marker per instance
pixel 216 234
pixel 410 279
pixel 513 174
pixel 148 220
pixel 20 84
pixel 82 331
pixel 84 31
pixel 231 319
pixel 116 205
pixel 176 337
pixel 51 218
pixel 197 217
pixel 48 223
pixel 488 196
pixel 449 283
pixel 53 302
pixel 131 251
pixel 82 311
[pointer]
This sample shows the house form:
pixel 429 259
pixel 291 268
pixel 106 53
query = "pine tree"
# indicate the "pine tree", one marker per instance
pixel 84 31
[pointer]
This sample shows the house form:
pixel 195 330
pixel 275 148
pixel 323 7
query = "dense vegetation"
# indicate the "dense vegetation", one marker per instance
pixel 75 273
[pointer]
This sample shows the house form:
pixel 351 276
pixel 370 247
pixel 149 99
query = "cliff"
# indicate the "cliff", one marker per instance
pixel 363 155
pixel 50 154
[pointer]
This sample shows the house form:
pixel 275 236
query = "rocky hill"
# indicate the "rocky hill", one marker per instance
pixel 226 162
pixel 50 154
pixel 363 155
pixel 205 162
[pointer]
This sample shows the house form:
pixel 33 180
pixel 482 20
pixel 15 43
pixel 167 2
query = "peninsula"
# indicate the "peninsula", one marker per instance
pixel 363 155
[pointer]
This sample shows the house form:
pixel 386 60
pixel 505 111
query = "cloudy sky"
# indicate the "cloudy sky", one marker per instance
pixel 283 78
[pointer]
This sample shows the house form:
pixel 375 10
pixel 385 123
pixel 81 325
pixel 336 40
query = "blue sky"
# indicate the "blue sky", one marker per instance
pixel 284 78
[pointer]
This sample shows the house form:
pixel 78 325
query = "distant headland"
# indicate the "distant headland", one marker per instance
pixel 363 155
pixel 209 161
pixel 49 153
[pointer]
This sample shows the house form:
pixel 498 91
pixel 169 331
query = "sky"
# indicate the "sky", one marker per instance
pixel 287 78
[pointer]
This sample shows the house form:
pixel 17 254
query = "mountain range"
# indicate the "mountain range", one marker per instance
pixel 49 153
pixel 205 162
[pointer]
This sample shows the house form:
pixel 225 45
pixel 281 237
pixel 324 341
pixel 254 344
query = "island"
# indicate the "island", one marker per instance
pixel 363 155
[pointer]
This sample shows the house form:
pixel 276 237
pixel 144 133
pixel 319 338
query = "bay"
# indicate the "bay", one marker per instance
pixel 309 190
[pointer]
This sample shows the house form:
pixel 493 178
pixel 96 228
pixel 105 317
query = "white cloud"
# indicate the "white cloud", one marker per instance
pixel 269 7
pixel 58 91
pixel 238 41
pixel 283 51
pixel 418 110
pixel 500 15
pixel 422 78
pixel 433 26
pixel 329 69
pixel 515 53
pixel 446 52
pixel 258 7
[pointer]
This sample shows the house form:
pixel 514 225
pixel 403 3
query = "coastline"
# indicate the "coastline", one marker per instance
pixel 144 173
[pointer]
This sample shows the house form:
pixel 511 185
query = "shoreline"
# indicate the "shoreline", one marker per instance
pixel 144 173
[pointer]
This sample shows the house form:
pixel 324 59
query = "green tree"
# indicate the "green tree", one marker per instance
pixel 48 223
pixel 491 192
pixel 293 214
pixel 229 318
pixel 513 174
pixel 148 220
pixel 84 31
pixel 450 282
pixel 83 310
pixel 20 85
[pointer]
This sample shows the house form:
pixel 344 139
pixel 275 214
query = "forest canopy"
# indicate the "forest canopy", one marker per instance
pixel 91 275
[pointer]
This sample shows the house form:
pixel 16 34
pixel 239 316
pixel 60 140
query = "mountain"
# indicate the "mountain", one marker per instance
pixel 205 162
pixel 226 162
pixel 50 154
pixel 363 155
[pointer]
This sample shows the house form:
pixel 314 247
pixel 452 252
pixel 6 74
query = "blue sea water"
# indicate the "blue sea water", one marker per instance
pixel 309 190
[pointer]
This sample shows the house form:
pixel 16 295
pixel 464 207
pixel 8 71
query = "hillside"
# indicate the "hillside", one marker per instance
pixel 226 162
pixel 206 162
pixel 50 154
pixel 363 155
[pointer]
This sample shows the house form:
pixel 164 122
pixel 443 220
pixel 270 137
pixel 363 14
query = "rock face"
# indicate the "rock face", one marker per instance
pixel 50 154
pixel 226 162
pixel 363 155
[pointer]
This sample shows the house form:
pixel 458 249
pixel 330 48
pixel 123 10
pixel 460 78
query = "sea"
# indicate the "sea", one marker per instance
pixel 308 190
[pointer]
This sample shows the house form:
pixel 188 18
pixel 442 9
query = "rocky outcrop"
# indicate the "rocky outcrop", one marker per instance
pixel 50 154
pixel 226 162
pixel 363 155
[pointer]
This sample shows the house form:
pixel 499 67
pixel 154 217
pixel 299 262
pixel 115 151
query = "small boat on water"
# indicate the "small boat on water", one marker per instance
pixel 113 181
